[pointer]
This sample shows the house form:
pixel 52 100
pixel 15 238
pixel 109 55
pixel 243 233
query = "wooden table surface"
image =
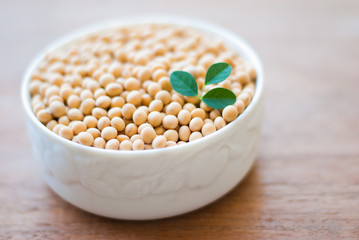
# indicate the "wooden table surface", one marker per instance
pixel 305 183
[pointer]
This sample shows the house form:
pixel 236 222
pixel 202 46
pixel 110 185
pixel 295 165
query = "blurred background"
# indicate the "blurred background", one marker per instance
pixel 310 140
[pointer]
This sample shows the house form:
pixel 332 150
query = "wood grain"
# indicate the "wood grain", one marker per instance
pixel 305 184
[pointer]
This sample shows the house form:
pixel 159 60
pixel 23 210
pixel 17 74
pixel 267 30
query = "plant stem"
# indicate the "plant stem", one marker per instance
pixel 201 92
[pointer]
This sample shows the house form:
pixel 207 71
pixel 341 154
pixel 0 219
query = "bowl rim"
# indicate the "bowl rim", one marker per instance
pixel 226 36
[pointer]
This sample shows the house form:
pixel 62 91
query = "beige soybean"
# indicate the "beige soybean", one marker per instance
pixel 131 129
pixel 142 126
pixel 164 96
pixel 87 105
pixel 138 144
pixel 236 91
pixel 157 65
pixel 55 98
pixel 213 114
pixel 240 106
pixel 98 112
pixel 170 122
pixel 160 130
pixel 173 108
pixel 103 102
pixel 165 83
pixel 118 123
pixel 114 112
pixel 73 101
pixel 148 134
pixel 113 144
pixel 156 105
pixel 155 118
pixel 135 137
pixel 153 88
pixel 57 109
pixel 208 128
pixel 251 72
pixel 99 142
pixel 109 133
pixel 171 135
pixel 230 113
pixel 126 145
pixel 51 124
pixel 90 84
pixel 219 123
pixel 85 94
pixel 44 116
pixel 117 102
pixel 144 74
pixel 144 108
pixel 34 87
pixel 177 98
pixel 148 146
pixel 122 137
pixel 66 132
pixel 75 80
pixel 159 142
pixel 249 91
pixel 184 117
pixel 146 99
pixel 64 120
pixel 145 85
pixel 245 98
pixel 42 90
pixel 56 128
pixel 52 91
pixel 198 112
pixel 193 100
pixel 99 93
pixel 113 89
pixel 189 107
pixel 124 94
pixel 103 122
pixel 75 114
pixel 106 78
pixel 90 121
pixel 94 132
pixel 171 144
pixel 205 107
pixel 194 136
pixel 97 74
pixel 115 69
pixel 134 97
pixel 159 73
pixel 132 84
pixel 139 117
pixel 38 106
pixel 196 124
pixel 85 138
pixel 127 110
pixel 78 126
pixel 184 132
pixel 207 120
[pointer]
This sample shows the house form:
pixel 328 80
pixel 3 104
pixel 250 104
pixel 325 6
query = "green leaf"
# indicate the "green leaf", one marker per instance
pixel 218 72
pixel 219 98
pixel 184 83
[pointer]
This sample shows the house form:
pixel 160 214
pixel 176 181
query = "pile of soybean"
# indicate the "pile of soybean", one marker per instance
pixel 112 90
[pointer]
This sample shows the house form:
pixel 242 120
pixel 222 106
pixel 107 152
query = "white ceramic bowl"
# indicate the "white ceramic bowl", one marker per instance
pixel 151 184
